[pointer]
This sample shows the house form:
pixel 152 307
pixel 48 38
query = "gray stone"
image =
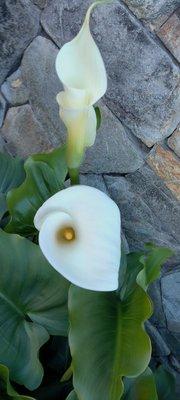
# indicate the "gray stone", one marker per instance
pixel 159 345
pixel 153 11
pixel 40 3
pixel 149 211
pixel 22 133
pixel 171 300
pixel 172 340
pixel 93 180
pixel 115 150
pixel 40 78
pixel 174 141
pixel 143 80
pixel 158 317
pixel 14 89
pixel 2 109
pixel 19 25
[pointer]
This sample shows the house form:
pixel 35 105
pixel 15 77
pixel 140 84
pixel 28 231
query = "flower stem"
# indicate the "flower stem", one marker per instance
pixel 74 176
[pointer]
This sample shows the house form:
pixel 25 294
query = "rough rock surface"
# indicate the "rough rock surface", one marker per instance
pixel 169 34
pixel 174 141
pixel 14 89
pixel 19 25
pixel 40 3
pixel 22 133
pixel 115 149
pixel 39 76
pixel 149 212
pixel 153 11
pixel 2 109
pixel 171 301
pixel 143 80
pixel 167 166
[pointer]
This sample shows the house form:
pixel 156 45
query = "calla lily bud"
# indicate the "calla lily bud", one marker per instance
pixel 81 69
pixel 79 234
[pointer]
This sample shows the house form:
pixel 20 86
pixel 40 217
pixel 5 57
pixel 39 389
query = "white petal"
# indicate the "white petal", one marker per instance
pixel 79 64
pixel 92 260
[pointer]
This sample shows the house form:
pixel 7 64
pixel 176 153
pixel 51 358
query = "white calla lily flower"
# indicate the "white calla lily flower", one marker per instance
pixel 80 236
pixel 81 69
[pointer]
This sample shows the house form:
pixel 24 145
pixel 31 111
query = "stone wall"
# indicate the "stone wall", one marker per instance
pixel 135 158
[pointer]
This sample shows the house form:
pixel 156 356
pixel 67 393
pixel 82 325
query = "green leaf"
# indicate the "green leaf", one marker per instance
pixel 11 172
pixel 165 383
pixel 152 262
pixel 3 205
pixel 45 175
pixel 33 305
pixel 110 329
pixel 7 392
pixel 72 396
pixel 141 388
pixel 98 116
pixel 11 175
pixel 113 340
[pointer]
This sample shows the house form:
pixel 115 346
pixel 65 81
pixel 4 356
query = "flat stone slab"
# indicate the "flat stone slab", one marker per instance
pixel 14 89
pixel 149 211
pixel 115 150
pixel 2 109
pixel 169 34
pixel 152 11
pixel 167 166
pixel 171 300
pixel 19 25
pixel 40 3
pixel 41 80
pixel 143 79
pixel 22 133
pixel 174 141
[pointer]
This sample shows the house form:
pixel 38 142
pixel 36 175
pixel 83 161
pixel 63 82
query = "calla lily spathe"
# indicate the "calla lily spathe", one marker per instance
pixel 81 69
pixel 80 236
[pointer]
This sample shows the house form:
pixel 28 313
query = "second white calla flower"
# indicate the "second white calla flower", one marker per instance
pixel 81 69
pixel 80 236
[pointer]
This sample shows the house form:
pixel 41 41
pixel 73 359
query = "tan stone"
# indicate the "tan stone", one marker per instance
pixel 167 167
pixel 169 33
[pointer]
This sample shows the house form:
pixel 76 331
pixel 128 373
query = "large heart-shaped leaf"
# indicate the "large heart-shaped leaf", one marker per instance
pixel 7 392
pixel 33 304
pixel 141 388
pixel 12 175
pixel 45 175
pixel 107 336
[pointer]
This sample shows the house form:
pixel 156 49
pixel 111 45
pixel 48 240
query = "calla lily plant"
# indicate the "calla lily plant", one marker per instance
pixel 80 237
pixel 81 69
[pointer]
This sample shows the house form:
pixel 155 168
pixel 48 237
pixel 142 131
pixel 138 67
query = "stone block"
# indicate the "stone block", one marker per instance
pixel 167 166
pixel 22 133
pixel 19 25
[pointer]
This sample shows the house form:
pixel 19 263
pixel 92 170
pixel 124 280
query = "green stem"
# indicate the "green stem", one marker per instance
pixel 74 176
